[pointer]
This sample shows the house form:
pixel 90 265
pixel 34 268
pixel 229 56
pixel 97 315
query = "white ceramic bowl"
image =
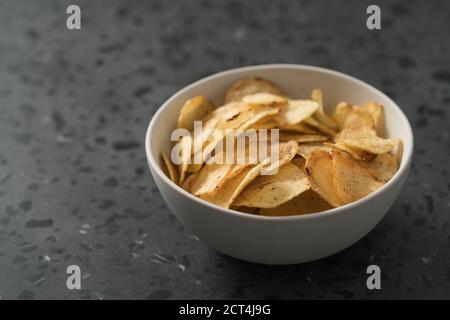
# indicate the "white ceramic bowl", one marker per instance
pixel 279 240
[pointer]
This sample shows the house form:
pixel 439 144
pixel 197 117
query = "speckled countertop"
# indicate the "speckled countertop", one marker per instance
pixel 74 106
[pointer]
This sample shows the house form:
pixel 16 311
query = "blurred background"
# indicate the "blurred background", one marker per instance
pixel 74 107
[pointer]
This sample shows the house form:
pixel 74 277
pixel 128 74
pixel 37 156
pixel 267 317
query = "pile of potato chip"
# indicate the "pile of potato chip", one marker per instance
pixel 325 161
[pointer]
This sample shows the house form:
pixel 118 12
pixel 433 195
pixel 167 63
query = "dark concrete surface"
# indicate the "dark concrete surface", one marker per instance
pixel 74 107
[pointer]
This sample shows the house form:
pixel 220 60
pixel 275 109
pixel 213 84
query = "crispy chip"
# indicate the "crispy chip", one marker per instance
pixel 305 149
pixel 247 86
pixel 320 172
pixel 320 114
pixel 354 117
pixel 170 169
pixel 194 109
pixel 187 184
pixel 320 127
pixel 210 177
pixel 263 98
pixel 376 111
pixel 265 123
pixel 274 190
pixel 296 111
pixel 286 152
pixel 306 202
pixel 225 195
pixel 352 181
pixel 301 138
pixel 384 166
pixel 300 128
pixel 242 121
pixel 186 151
pixel 367 140
pixel 214 174
pixel 355 152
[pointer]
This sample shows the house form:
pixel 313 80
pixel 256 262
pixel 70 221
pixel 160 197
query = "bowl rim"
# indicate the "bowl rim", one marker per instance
pixel 403 169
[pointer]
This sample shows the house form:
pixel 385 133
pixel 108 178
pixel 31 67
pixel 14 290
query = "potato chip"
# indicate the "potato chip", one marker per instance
pixel 187 184
pixel 247 86
pixel 194 109
pixel 301 138
pixel 352 181
pixel 186 151
pixel 227 191
pixel 300 128
pixel 265 123
pixel 306 202
pixel 320 127
pixel 194 167
pixel 296 111
pixel 286 152
pixel 367 140
pixel 215 173
pixel 210 177
pixel 274 190
pixel 384 166
pixel 241 121
pixel 264 98
pixel 355 152
pixel 228 110
pixel 353 117
pixel 320 114
pixel 320 171
pixel 376 111
pixel 305 149
pixel 341 112
pixel 170 169
pixel 225 195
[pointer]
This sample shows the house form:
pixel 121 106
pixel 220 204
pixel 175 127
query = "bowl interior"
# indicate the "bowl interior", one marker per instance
pixel 297 81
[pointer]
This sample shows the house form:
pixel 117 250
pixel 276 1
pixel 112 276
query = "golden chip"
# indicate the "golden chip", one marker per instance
pixel 301 138
pixel 247 86
pixel 384 166
pixel 306 202
pixel 376 112
pixel 320 127
pixel 352 181
pixel 274 190
pixel 296 111
pixel 286 152
pixel 194 109
pixel 187 184
pixel 367 140
pixel 300 128
pixel 355 152
pixel 320 114
pixel 354 117
pixel 263 98
pixel 266 123
pixel 306 149
pixel 210 177
pixel 320 172
pixel 225 195
pixel 186 151
pixel 169 167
